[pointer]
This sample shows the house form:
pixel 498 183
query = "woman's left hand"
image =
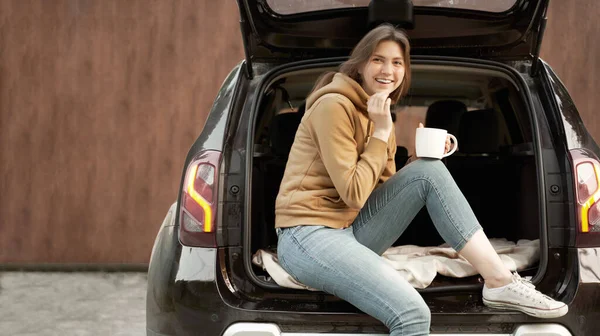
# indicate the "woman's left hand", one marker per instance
pixel 448 144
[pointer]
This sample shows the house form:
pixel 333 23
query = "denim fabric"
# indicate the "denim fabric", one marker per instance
pixel 347 262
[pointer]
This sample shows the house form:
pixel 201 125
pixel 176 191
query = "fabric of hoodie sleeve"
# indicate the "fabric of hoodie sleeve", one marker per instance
pixel 353 174
pixel 390 166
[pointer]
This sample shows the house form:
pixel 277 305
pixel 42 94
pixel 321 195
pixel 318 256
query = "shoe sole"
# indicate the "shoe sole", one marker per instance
pixel 553 313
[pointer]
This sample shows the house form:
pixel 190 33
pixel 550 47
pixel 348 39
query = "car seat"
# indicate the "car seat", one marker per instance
pixel 444 114
pixel 483 174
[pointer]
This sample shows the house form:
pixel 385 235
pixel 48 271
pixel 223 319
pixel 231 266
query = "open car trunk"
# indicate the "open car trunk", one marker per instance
pixel 494 166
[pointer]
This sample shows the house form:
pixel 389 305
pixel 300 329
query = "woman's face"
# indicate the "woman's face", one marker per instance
pixel 384 71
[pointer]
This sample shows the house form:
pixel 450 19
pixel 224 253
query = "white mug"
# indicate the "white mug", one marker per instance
pixel 431 143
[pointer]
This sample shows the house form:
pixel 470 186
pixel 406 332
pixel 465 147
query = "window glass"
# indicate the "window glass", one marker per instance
pixel 301 6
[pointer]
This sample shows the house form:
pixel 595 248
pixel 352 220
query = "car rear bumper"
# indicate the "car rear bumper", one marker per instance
pixel 270 329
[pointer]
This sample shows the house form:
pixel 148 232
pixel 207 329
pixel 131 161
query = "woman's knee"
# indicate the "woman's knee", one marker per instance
pixel 429 169
pixel 423 312
pixel 430 165
pixel 415 319
pixel 419 313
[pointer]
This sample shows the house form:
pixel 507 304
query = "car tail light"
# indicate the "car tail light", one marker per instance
pixel 199 201
pixel 586 169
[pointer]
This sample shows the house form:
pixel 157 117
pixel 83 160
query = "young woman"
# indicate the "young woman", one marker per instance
pixel 341 203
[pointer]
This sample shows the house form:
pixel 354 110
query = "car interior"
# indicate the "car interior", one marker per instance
pixel 494 165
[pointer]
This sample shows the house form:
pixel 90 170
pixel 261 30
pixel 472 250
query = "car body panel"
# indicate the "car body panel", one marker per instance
pixel 217 126
pixel 573 129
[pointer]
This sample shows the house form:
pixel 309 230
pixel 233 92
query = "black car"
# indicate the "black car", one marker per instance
pixel 526 163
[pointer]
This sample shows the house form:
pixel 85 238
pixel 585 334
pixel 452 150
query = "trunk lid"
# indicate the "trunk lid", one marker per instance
pixel 279 31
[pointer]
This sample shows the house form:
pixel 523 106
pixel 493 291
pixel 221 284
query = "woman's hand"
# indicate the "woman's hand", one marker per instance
pixel 378 108
pixel 448 144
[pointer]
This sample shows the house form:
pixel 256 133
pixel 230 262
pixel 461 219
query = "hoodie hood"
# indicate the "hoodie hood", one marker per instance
pixel 345 86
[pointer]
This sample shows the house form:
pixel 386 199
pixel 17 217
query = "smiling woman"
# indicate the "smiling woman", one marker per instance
pixel 341 196
pixel 301 6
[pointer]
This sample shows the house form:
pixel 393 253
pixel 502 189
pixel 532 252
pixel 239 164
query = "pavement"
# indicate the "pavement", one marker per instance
pixel 72 303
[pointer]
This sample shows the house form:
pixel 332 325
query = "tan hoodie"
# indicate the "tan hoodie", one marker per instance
pixel 334 164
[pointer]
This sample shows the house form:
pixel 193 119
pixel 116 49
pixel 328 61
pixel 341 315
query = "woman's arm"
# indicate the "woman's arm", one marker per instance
pixel 354 174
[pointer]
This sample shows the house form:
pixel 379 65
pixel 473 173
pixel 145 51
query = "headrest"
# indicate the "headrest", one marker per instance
pixel 283 130
pixel 479 132
pixel 445 114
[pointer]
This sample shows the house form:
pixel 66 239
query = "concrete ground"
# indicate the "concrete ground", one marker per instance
pixel 87 303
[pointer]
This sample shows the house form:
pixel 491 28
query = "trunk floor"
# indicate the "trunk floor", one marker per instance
pixel 439 281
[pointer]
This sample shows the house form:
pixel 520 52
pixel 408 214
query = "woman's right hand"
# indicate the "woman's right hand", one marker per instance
pixel 378 107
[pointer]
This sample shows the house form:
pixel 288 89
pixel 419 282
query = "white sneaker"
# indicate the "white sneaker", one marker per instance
pixel 521 295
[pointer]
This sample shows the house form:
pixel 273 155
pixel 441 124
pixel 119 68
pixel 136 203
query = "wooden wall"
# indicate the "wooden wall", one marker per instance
pixel 571 46
pixel 101 99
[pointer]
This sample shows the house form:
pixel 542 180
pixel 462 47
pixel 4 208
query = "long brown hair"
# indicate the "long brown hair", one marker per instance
pixel 362 52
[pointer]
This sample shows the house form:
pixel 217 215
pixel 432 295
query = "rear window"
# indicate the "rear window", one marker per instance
pixel 301 6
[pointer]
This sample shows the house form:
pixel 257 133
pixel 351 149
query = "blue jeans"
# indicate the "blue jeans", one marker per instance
pixel 347 262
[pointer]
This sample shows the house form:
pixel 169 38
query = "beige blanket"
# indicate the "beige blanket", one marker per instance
pixel 419 265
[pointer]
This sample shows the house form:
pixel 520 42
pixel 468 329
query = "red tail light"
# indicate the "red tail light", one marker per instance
pixel 586 169
pixel 199 201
